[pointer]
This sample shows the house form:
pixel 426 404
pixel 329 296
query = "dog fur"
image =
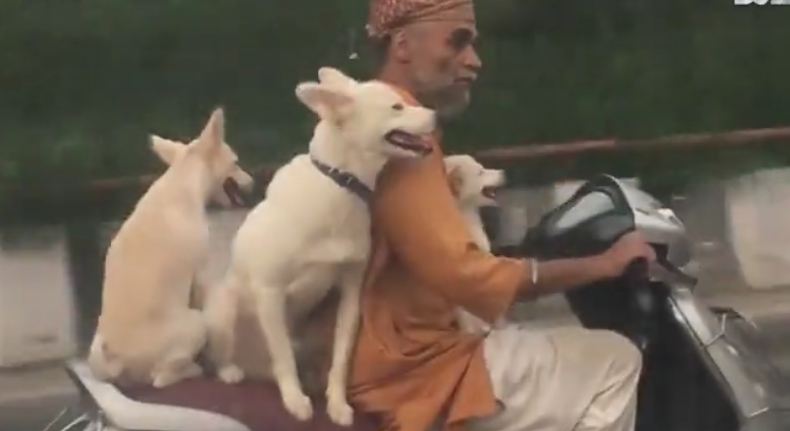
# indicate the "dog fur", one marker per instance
pixel 473 186
pixel 310 234
pixel 147 333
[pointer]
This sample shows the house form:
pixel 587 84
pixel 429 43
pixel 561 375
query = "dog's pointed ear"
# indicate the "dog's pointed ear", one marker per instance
pixel 213 134
pixel 334 78
pixel 454 175
pixel 328 102
pixel 167 150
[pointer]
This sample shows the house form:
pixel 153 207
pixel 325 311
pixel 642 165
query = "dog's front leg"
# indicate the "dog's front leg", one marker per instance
pixel 346 327
pixel 199 291
pixel 201 284
pixel 271 306
pixel 221 311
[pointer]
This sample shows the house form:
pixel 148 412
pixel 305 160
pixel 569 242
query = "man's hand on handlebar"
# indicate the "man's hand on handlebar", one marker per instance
pixel 628 248
pixel 560 275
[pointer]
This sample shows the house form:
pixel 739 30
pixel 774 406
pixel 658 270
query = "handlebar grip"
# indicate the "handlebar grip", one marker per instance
pixel 637 279
pixel 636 273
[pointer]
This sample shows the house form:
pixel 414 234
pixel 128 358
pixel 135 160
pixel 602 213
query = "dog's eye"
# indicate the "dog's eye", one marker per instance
pixel 398 107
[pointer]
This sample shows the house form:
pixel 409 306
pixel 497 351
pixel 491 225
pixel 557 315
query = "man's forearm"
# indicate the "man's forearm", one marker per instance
pixel 555 276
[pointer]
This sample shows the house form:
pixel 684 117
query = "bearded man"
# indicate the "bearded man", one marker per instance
pixel 412 364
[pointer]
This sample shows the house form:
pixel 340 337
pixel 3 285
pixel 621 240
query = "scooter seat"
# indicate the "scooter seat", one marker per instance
pixel 204 404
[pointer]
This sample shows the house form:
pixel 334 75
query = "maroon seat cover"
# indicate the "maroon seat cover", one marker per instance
pixel 255 404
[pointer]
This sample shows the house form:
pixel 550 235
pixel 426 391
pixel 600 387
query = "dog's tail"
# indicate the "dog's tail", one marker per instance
pixel 104 365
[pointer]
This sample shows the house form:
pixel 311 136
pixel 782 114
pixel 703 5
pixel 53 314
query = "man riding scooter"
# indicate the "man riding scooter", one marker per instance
pixel 424 265
pixel 427 373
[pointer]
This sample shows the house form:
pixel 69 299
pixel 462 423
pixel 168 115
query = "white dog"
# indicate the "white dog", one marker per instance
pixel 312 232
pixel 147 333
pixel 474 187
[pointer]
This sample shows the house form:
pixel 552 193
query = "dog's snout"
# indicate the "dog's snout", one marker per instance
pixel 495 177
pixel 245 180
pixel 501 177
pixel 433 119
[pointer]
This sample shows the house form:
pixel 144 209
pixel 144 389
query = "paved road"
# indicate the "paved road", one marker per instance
pixel 31 397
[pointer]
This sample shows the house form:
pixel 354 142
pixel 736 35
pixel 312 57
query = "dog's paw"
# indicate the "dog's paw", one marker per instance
pixel 163 380
pixel 191 371
pixel 340 412
pixel 170 377
pixel 299 405
pixel 231 374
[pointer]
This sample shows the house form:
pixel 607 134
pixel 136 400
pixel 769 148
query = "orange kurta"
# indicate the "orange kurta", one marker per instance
pixel 411 362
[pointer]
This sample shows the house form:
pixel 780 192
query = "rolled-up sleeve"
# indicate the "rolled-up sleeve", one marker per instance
pixel 417 213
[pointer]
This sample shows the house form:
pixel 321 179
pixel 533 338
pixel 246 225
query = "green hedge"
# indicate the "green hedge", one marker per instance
pixel 83 83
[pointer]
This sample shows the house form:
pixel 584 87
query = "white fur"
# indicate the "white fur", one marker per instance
pixel 147 333
pixel 469 179
pixel 309 235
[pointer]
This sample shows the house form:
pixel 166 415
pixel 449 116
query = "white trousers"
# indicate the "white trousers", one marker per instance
pixel 561 379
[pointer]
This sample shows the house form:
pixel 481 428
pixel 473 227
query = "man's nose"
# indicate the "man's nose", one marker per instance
pixel 472 61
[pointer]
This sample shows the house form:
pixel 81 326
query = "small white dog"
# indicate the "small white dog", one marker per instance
pixel 474 187
pixel 312 232
pixel 147 332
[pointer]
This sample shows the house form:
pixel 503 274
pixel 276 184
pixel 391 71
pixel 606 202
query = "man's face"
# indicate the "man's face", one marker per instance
pixel 441 59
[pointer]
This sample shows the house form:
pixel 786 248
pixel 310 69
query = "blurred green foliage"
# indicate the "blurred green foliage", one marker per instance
pixel 83 83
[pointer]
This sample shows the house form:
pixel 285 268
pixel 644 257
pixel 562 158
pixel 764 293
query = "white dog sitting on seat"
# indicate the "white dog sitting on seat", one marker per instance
pixel 312 232
pixel 147 332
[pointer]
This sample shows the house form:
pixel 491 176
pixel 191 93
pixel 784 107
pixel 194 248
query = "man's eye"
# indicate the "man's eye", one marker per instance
pixel 461 38
pixel 397 107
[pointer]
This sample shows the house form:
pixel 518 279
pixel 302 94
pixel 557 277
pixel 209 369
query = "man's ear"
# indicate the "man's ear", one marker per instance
pixel 167 150
pixel 328 102
pixel 399 46
pixel 213 134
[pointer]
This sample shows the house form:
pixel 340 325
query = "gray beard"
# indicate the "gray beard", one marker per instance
pixel 450 112
pixel 447 104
